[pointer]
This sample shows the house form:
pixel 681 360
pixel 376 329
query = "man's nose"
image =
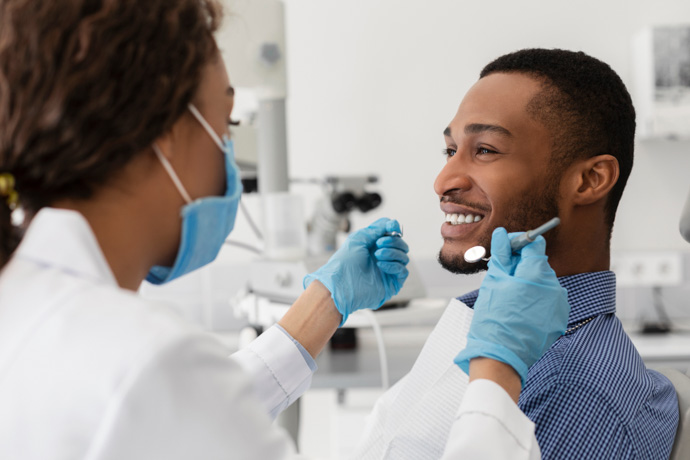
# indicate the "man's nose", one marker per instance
pixel 453 176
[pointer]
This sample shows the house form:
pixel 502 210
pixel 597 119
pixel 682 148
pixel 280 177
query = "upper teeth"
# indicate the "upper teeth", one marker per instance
pixel 456 219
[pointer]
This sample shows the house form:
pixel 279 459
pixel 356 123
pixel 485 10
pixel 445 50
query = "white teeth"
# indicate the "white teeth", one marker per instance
pixel 458 219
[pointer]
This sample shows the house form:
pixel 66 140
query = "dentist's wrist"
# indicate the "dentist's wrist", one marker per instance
pixel 313 318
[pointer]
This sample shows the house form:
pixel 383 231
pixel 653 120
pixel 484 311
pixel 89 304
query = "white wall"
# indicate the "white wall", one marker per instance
pixel 373 83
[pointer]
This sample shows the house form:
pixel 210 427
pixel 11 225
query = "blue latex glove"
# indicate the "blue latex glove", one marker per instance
pixel 367 270
pixel 521 309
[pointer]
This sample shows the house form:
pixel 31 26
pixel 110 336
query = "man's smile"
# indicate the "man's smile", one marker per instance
pixel 460 220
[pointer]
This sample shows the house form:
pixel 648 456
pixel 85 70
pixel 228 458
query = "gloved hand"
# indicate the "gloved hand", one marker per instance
pixel 521 309
pixel 367 270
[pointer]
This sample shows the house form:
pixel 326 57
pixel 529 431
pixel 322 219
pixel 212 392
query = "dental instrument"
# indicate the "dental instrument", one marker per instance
pixel 477 253
pixel 400 233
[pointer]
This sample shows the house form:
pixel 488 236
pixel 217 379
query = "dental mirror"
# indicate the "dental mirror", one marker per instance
pixel 477 253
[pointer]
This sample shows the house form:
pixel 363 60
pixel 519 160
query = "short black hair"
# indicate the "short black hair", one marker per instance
pixel 584 104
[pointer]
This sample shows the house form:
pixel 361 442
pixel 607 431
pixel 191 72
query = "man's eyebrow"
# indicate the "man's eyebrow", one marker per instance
pixel 230 91
pixel 446 132
pixel 477 128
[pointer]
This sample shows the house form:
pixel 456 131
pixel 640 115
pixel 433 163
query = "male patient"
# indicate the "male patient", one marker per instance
pixel 543 133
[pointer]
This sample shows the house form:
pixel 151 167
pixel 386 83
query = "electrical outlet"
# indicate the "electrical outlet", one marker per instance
pixel 645 269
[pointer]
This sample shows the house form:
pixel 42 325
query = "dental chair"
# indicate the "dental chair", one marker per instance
pixel 681 382
pixel 685 220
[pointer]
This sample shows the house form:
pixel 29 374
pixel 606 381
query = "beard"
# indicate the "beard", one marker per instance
pixel 526 213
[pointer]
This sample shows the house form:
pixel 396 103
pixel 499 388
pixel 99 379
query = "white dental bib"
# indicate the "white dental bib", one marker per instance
pixel 412 420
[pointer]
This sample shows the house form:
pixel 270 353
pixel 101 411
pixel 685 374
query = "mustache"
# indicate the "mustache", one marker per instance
pixel 462 202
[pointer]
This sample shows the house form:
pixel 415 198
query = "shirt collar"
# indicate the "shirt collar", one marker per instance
pixel 63 239
pixel 589 295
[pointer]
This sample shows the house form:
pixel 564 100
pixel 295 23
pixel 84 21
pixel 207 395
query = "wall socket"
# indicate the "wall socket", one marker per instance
pixel 648 269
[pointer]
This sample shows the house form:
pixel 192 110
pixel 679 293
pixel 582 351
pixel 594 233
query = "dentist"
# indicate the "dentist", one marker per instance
pixel 114 143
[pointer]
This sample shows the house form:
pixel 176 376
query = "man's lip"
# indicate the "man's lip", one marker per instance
pixel 450 208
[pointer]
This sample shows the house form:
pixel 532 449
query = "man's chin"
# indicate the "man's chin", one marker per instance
pixel 457 264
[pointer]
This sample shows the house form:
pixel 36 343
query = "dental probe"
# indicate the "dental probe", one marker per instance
pixel 477 253
pixel 400 233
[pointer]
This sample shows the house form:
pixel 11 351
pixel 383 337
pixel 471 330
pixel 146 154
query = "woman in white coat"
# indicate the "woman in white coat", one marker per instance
pixel 114 143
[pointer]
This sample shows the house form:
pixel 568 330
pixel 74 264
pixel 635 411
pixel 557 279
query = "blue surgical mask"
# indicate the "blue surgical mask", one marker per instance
pixel 206 222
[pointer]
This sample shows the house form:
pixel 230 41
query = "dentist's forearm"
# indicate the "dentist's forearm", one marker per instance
pixel 313 319
pixel 499 372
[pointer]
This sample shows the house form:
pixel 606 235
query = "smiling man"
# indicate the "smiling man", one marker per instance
pixel 543 133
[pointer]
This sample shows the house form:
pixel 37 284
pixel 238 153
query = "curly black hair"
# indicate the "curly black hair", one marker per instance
pixel 585 106
pixel 85 85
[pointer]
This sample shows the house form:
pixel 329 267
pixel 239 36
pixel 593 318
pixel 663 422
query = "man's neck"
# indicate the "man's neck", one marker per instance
pixel 585 256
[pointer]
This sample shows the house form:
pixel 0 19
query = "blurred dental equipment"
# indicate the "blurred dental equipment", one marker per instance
pixel 341 196
pixel 477 253
pixel 295 236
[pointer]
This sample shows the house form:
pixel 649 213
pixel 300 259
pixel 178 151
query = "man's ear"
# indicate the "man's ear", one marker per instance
pixel 592 179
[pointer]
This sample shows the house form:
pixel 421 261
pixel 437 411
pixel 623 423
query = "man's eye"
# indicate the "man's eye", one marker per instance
pixel 485 151
pixel 448 152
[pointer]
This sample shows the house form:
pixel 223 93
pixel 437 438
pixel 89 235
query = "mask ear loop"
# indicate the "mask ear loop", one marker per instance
pixel 171 172
pixel 200 118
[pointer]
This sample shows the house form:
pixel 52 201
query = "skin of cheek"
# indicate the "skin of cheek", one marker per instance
pixel 203 168
pixel 206 165
pixel 207 161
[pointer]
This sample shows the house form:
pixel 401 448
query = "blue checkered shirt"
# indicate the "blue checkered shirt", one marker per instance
pixel 590 395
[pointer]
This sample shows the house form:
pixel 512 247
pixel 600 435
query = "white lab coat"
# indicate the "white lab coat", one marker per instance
pixel 91 371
